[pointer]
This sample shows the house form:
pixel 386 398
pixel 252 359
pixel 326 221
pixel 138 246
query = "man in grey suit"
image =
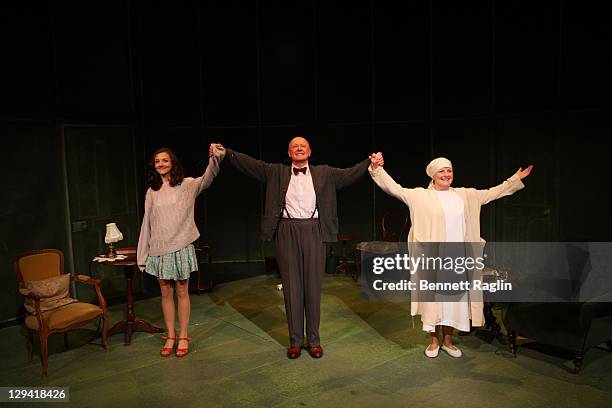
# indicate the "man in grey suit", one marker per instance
pixel 301 213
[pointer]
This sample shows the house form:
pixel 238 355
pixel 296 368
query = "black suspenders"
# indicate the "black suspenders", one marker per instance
pixel 284 211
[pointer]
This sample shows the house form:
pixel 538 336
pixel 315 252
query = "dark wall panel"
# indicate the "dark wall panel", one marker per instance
pixel 27 82
pixel 344 61
pixel 401 60
pixel 33 214
pixel 170 62
pixel 582 193
pixel 587 59
pixel 92 59
pixel 527 48
pixel 287 62
pixel 229 41
pixel 462 55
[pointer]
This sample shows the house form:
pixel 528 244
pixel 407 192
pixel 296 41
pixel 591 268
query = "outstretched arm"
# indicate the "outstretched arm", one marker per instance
pixel 216 153
pixel 513 184
pixel 247 165
pixel 385 182
pixel 348 176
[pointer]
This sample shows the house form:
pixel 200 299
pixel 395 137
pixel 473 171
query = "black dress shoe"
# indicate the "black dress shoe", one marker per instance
pixel 315 351
pixel 294 352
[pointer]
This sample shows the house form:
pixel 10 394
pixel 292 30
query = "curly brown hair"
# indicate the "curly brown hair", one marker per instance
pixel 176 173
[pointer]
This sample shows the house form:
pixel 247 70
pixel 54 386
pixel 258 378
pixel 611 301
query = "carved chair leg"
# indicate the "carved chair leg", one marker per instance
pixel 44 351
pixel 105 333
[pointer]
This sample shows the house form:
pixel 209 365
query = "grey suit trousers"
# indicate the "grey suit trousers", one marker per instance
pixel 300 252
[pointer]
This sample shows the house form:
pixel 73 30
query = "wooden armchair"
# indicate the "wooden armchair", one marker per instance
pixel 44 286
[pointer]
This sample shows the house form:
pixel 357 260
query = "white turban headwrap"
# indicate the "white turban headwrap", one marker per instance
pixel 435 165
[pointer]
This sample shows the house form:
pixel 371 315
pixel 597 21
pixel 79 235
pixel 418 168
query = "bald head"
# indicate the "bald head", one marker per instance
pixel 299 139
pixel 299 151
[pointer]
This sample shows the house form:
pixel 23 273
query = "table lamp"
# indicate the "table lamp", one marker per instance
pixel 112 235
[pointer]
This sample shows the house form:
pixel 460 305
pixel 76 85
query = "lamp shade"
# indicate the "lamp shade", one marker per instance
pixel 112 233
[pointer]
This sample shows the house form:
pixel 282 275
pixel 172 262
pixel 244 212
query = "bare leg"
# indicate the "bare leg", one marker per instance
pixel 167 292
pixel 448 337
pixel 435 341
pixel 184 310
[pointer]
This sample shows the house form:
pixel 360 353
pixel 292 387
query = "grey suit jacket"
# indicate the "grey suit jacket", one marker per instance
pixel 326 181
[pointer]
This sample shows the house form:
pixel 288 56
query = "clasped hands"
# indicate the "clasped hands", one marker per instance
pixel 376 159
pixel 213 146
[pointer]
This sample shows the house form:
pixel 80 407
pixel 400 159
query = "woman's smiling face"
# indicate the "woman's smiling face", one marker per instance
pixel 443 178
pixel 163 164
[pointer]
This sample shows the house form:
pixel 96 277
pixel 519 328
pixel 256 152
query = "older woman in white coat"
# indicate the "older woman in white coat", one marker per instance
pixel 441 213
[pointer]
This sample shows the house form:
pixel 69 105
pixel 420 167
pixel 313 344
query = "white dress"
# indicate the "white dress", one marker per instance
pixel 455 314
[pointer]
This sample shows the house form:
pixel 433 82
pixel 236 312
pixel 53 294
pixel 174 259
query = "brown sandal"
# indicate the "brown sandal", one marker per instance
pixel 182 352
pixel 167 351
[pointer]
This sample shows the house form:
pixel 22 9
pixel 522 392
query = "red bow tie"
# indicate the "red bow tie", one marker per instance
pixel 302 170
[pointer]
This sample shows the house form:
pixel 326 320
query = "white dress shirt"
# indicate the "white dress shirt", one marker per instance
pixel 301 200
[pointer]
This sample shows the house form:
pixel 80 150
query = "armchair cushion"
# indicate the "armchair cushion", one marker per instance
pixel 65 316
pixel 53 293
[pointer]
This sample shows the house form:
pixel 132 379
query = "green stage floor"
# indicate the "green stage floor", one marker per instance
pixel 373 358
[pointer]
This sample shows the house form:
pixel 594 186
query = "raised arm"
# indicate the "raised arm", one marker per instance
pixel 247 165
pixel 348 176
pixel 513 184
pixel 145 234
pixel 388 185
pixel 204 181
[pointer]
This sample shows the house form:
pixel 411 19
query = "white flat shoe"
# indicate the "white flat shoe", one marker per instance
pixel 452 352
pixel 432 353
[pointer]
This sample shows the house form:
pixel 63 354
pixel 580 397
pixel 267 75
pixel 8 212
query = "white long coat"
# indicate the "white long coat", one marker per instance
pixel 428 225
